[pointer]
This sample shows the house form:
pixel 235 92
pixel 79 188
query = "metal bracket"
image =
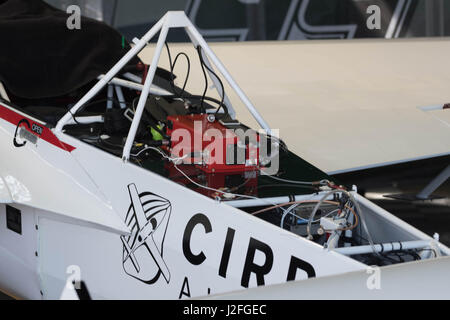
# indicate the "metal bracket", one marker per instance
pixel 426 193
pixel 434 184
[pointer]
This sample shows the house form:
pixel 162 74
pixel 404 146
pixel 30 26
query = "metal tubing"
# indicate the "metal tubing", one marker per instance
pixel 394 20
pixel 110 74
pixel 434 184
pixel 175 19
pixel 132 77
pixel 110 94
pixel 120 97
pixel 137 86
pixel 86 120
pixel 384 247
pixel 272 200
pixel 145 92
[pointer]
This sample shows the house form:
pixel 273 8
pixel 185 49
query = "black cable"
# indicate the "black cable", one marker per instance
pixel 199 50
pixel 150 120
pixel 187 72
pixel 73 117
pixel 203 97
pixel 87 105
pixel 172 67
pixel 105 141
pixel 205 77
pixel 193 96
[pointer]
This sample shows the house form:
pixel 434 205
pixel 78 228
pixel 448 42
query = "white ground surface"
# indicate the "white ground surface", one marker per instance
pixel 340 104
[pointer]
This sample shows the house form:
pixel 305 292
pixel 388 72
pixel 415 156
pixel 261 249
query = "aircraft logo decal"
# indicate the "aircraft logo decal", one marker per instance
pixel 147 218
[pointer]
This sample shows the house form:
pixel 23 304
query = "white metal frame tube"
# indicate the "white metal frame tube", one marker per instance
pixel 87 120
pixel 137 86
pixel 384 247
pixel 110 96
pixel 132 77
pixel 169 20
pixel 274 200
pixel 120 97
pixel 110 74
pixel 144 93
pixel 434 184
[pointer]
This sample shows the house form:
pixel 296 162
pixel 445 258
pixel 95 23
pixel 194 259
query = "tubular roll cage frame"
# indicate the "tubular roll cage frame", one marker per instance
pixel 172 19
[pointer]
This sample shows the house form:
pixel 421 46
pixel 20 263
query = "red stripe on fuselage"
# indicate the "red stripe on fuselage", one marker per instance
pixel 47 134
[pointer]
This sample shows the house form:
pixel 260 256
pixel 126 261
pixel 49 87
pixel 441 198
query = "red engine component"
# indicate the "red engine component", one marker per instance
pixel 242 183
pixel 211 146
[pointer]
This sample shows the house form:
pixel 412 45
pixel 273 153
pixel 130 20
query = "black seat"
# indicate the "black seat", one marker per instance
pixel 50 115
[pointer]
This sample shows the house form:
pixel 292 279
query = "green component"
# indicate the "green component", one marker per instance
pixel 155 134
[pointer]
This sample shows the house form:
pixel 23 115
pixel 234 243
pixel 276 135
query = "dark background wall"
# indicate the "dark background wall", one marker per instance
pixel 240 20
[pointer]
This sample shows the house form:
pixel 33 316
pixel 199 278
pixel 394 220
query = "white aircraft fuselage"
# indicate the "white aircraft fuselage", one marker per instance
pixel 70 211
